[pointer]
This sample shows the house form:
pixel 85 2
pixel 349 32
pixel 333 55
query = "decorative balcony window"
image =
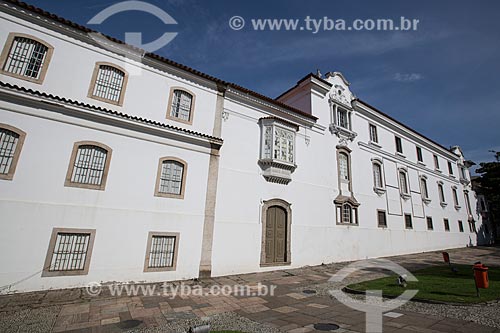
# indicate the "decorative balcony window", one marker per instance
pixel 277 158
pixel 341 123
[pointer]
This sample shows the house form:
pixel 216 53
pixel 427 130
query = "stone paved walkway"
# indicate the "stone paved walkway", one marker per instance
pixel 289 310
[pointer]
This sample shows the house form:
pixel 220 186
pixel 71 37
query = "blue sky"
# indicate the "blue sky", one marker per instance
pixel 442 80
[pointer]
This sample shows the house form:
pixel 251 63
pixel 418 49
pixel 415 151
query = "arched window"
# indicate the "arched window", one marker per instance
pixel 26 57
pixel 441 193
pixel 181 105
pixel 11 142
pixel 89 165
pixel 344 166
pixel 171 178
pixel 403 182
pixel 108 83
pixel 377 175
pixel 346 213
pixel 423 188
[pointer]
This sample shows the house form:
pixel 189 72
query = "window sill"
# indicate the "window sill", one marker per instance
pixel 348 224
pixel 437 170
pixel 421 163
pixel 379 190
pixel 375 144
pixel 457 207
pixel 382 226
pixel 443 204
pixel 400 154
pixel 405 196
pixel 341 131
pixel 426 201
pixel 464 181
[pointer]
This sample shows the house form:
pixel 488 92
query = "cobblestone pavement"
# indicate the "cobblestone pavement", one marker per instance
pixel 289 310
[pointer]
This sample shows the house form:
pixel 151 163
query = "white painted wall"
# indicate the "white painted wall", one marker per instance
pixel 36 201
pixel 316 238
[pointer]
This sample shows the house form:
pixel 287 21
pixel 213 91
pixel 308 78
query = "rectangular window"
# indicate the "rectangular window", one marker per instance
pixel 399 145
pixel 69 252
pixel 373 133
pixel 460 226
pixel 436 162
pixel 455 197
pixel 342 118
pixel 467 203
pixel 381 217
pixel 446 225
pixel 430 225
pixel 403 182
pixel 450 168
pixel 408 222
pixel 161 253
pixel 463 173
pixel 472 226
pixel 420 158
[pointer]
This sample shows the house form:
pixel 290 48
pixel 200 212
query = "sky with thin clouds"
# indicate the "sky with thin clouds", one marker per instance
pixel 442 80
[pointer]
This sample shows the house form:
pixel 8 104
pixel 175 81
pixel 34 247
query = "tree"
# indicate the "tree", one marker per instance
pixel 490 186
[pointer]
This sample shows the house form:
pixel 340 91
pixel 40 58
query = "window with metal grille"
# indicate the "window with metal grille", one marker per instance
pixel 399 145
pixel 162 251
pixel 408 222
pixel 171 177
pixel 446 225
pixel 430 225
pixel 441 193
pixel 424 189
pixel 26 58
pixel 381 217
pixel 377 175
pixel 403 182
pixel 181 105
pixel 108 83
pixel 344 166
pixel 70 252
pixel 373 133
pixel 89 165
pixel 8 145
pixel 460 226
pixel 420 158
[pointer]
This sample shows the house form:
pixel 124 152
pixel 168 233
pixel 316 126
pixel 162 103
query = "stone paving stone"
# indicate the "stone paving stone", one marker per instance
pixel 285 309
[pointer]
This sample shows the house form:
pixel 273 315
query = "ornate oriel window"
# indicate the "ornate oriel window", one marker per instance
pixel 277 156
pixel 89 165
pixel 25 57
pixel 11 143
pixel 181 105
pixel 108 83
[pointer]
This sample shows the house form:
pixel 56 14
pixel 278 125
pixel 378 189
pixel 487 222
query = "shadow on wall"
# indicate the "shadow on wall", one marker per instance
pixel 484 236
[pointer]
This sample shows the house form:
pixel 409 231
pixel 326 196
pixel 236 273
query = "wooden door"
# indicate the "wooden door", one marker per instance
pixel 276 232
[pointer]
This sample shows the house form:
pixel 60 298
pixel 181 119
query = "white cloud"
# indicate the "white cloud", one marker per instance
pixel 408 77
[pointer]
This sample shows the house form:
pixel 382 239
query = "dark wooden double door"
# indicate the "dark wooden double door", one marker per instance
pixel 276 235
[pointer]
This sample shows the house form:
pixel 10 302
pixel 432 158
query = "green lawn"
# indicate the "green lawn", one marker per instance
pixel 440 284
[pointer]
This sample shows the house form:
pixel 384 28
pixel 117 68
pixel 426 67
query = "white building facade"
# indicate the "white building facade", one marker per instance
pixel 124 169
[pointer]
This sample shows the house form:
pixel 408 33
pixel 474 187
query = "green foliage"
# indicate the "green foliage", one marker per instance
pixel 440 284
pixel 490 185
